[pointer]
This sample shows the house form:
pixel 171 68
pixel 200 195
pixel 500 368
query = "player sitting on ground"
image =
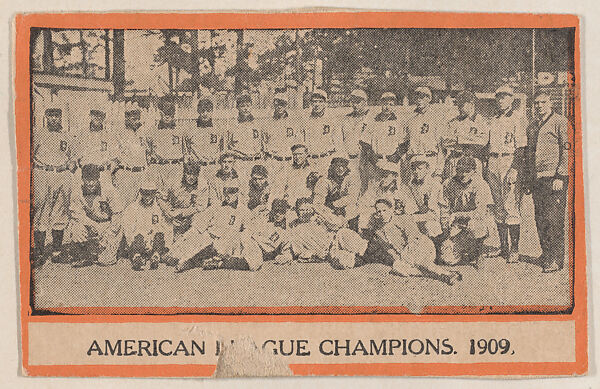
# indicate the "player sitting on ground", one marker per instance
pixel 145 228
pixel 321 236
pixel 398 241
pixel 465 214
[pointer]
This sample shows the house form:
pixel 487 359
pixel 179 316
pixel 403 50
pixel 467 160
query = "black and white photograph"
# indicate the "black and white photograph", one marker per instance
pixel 313 168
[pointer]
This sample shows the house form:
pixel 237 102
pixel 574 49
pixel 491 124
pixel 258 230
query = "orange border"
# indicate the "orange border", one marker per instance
pixel 298 314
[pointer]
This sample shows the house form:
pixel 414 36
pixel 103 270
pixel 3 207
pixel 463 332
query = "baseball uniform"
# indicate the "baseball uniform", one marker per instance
pixel 469 136
pixel 245 140
pixel 132 165
pixel 98 147
pixel 319 133
pixel 280 134
pixel 165 157
pixel 204 142
pixel 424 130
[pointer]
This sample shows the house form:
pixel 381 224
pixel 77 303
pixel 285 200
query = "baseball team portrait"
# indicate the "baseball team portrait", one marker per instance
pixel 413 168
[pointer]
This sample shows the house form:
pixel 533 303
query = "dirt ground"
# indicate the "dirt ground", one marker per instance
pixel 304 284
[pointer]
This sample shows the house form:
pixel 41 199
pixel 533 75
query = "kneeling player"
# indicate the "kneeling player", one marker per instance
pixel 398 240
pixel 95 220
pixel 466 214
pixel 322 236
pixel 145 228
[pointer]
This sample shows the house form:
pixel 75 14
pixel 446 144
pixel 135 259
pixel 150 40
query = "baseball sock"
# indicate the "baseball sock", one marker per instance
pixel 515 232
pixel 57 238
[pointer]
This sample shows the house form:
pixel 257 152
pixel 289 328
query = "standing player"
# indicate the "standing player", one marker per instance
pixel 165 144
pixel 320 130
pixel 470 134
pixel 53 165
pixel 98 146
pixel 508 139
pixel 424 130
pixel 132 165
pixel 383 144
pixel 95 220
pixel 548 166
pixel 353 126
pixel 204 138
pixel 245 138
pixel 145 229
pixel 281 133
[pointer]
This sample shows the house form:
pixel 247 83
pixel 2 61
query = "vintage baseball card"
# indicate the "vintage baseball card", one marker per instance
pixel 300 193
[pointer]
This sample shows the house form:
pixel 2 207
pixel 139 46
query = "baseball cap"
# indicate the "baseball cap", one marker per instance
pixel 279 206
pixel 53 112
pixel 191 167
pixel 148 186
pixel 465 96
pixel 320 94
pixel 133 113
pixel 226 154
pixel 205 103
pixel 97 112
pixel 259 170
pixel 388 95
pixel 418 160
pixel 505 89
pixel 166 104
pixel 90 172
pixel 358 93
pixel 340 161
pixel 298 146
pixel 423 90
pixel 280 97
pixel 465 164
pixel 243 97
pixel 230 189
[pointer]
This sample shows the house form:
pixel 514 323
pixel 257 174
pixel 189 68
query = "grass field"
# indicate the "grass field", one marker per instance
pixel 304 284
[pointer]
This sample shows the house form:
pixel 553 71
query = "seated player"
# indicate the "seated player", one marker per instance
pixel 338 192
pixel 465 215
pixel 95 220
pixel 146 231
pixel 257 197
pixel 186 197
pixel 398 241
pixel 291 182
pixel 226 176
pixel 217 238
pixel 318 237
pixel 270 236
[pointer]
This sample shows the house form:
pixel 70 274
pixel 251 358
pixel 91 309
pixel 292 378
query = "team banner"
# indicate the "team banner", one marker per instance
pixel 324 193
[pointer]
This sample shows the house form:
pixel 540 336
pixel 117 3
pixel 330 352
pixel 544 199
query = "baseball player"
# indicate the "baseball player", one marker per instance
pixel 186 197
pixel 425 129
pixel 281 133
pixel 204 137
pixel 270 236
pixel 339 192
pixel 217 239
pixel 145 229
pixel 226 176
pixel 319 130
pixel 383 143
pixel 292 182
pixel 132 149
pixel 353 126
pixel 470 134
pixel 427 192
pixel 53 164
pixel 321 236
pixel 257 196
pixel 397 240
pixel 96 212
pixel 98 146
pixel 465 214
pixel 508 139
pixel 165 145
pixel 245 138
pixel 548 179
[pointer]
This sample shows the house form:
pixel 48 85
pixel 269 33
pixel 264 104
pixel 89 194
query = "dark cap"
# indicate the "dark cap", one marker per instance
pixel 339 161
pixel 279 206
pixel 230 189
pixel 166 104
pixel 226 154
pixel 53 112
pixel 90 172
pixel 299 146
pixel 259 170
pixel 465 96
pixel 205 104
pixel 243 97
pixel 466 164
pixel 133 113
pixel 191 167
pixel 97 112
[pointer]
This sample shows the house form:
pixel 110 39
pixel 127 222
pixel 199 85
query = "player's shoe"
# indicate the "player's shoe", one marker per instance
pixel 551 268
pixel 154 260
pixel 513 257
pixel 212 263
pixel 283 259
pixel 137 262
pixel 59 257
